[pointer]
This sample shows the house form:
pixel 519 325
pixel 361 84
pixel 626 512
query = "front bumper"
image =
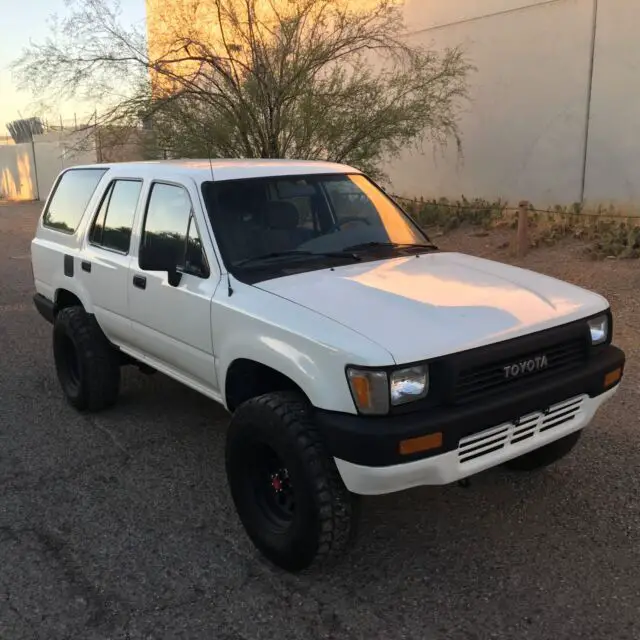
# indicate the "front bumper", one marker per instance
pixel 477 453
pixel 374 442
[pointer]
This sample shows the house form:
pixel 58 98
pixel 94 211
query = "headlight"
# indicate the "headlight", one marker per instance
pixel 599 328
pixel 408 385
pixel 374 391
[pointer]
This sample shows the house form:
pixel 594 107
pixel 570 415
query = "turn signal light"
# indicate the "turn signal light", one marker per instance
pixel 361 389
pixel 612 377
pixel 423 443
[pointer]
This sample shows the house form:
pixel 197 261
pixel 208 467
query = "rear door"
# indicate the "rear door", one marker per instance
pixel 172 322
pixel 104 266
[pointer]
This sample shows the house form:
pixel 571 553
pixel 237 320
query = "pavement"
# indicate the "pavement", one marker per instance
pixel 120 525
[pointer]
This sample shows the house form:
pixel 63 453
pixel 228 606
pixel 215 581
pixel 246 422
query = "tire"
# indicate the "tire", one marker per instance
pixel 87 364
pixel 286 488
pixel 545 456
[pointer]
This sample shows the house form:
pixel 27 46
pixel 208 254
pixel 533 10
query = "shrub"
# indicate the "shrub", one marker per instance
pixel 615 239
pixel 604 237
pixel 449 215
pixel 605 234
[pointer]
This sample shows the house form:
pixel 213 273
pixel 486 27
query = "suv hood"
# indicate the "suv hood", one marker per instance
pixel 426 306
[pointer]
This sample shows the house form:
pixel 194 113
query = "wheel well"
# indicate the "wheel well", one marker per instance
pixel 65 299
pixel 248 379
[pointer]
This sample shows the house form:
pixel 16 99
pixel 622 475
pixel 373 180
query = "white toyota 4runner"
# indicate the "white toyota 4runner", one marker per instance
pixel 354 356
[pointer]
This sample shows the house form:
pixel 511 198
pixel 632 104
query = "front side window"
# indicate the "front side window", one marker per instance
pixel 195 261
pixel 274 223
pixel 170 238
pixel 112 226
pixel 70 199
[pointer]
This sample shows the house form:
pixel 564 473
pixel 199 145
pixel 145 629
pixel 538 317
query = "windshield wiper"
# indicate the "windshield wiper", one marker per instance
pixel 391 245
pixel 278 255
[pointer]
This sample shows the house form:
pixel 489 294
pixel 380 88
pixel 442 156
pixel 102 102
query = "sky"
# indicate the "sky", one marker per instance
pixel 28 20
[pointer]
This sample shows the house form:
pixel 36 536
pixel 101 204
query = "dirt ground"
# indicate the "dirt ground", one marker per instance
pixel 119 526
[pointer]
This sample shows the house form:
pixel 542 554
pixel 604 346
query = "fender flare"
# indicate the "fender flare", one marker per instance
pixel 287 360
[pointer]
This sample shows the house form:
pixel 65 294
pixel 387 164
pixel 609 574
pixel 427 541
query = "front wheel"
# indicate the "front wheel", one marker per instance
pixel 285 487
pixel 545 456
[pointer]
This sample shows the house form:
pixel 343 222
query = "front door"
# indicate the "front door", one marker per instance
pixel 171 321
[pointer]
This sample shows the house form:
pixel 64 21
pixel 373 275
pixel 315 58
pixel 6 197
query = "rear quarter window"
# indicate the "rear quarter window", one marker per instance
pixel 70 198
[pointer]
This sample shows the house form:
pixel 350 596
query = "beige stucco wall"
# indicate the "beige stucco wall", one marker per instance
pixel 421 14
pixel 524 130
pixel 613 166
pixel 168 20
pixel 23 179
pixel 53 157
pixel 16 172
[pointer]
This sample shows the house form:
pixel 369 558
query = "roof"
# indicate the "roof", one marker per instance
pixel 223 169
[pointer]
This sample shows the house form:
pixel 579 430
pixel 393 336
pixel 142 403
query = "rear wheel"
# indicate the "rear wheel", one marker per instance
pixel 545 456
pixel 286 488
pixel 87 364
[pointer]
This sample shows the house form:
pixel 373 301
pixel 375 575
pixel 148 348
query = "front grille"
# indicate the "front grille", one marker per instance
pixel 512 434
pixel 481 380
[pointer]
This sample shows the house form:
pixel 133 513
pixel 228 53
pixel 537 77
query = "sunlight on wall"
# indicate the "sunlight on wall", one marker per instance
pixel 171 20
pixel 16 181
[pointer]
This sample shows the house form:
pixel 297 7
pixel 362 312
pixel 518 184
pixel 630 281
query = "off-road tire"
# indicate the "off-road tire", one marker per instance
pixel 545 456
pixel 87 364
pixel 322 522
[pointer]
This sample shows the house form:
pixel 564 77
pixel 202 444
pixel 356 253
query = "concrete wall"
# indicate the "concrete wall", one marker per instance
pixel 613 162
pixel 23 179
pixel 17 180
pixel 52 158
pixel 524 133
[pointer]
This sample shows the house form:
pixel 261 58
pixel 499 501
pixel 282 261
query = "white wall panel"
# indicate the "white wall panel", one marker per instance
pixel 613 167
pixel 524 129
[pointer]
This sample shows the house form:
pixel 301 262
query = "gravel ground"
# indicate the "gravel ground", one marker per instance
pixel 120 526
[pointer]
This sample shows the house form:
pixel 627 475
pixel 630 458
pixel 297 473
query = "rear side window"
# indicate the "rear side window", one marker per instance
pixel 112 226
pixel 70 199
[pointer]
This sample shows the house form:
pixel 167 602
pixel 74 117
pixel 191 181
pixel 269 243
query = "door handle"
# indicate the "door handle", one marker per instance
pixel 85 266
pixel 140 282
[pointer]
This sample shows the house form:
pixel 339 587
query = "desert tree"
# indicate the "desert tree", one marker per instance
pixel 310 79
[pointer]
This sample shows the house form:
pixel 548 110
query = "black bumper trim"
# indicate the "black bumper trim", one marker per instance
pixel 374 441
pixel 44 306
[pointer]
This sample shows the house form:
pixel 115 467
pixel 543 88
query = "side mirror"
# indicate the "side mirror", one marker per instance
pixel 174 275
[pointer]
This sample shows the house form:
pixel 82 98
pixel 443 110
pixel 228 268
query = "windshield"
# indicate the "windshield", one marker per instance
pixel 307 220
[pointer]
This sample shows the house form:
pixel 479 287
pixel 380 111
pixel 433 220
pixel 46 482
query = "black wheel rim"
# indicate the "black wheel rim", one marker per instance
pixel 271 487
pixel 70 363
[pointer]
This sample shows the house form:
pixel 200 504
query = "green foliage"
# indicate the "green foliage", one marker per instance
pixel 615 239
pixel 602 232
pixel 603 237
pixel 449 215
